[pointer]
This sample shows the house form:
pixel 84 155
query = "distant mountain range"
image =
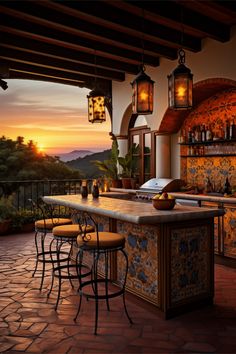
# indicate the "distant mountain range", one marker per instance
pixel 85 165
pixel 73 155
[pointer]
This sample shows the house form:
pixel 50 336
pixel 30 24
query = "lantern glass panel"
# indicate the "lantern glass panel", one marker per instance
pixel 96 109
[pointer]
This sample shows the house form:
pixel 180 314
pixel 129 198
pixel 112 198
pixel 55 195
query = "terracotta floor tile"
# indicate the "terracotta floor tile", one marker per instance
pixel 29 323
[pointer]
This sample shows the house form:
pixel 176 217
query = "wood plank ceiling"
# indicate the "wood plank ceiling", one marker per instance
pixel 71 42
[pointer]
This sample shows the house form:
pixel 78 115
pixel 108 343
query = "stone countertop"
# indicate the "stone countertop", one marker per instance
pixel 132 211
pixel 204 197
pixel 184 195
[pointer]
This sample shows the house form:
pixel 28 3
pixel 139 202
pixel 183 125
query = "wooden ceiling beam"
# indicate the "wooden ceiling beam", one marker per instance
pixel 99 13
pixel 8 54
pixel 66 23
pixel 178 17
pixel 25 75
pixel 44 71
pixel 25 28
pixel 71 55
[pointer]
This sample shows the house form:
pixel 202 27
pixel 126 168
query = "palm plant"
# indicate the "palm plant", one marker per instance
pixel 110 167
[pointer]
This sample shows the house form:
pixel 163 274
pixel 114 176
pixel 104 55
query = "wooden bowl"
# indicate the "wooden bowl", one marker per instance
pixel 163 204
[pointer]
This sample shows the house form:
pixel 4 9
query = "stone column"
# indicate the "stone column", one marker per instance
pixel 163 156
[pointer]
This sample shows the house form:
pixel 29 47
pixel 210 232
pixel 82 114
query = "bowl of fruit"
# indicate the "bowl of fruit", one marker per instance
pixel 163 201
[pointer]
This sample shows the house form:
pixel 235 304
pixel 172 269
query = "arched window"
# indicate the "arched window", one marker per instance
pixel 144 158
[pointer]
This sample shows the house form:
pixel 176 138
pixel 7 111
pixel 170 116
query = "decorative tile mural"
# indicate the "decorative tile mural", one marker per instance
pixel 189 262
pixel 230 231
pixel 213 112
pixel 142 248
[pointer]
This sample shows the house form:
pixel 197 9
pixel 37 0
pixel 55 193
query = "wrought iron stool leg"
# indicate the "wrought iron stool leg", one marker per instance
pixel 37 253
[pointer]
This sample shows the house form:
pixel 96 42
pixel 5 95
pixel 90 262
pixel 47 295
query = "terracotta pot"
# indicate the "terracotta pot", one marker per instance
pixel 116 183
pixel 134 183
pixel 126 183
pixel 5 227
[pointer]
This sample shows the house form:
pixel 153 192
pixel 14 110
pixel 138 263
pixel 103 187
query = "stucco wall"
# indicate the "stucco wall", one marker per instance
pixel 215 60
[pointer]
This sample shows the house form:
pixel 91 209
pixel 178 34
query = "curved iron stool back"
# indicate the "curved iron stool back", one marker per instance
pixel 101 245
pixel 66 235
pixel 46 217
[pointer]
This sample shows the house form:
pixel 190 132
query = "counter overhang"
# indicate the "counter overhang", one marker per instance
pixel 132 211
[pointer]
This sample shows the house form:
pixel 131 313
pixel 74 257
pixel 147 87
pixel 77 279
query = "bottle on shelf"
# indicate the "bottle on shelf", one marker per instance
pixel 203 133
pixel 232 130
pixel 208 133
pixel 182 137
pixel 227 187
pixel 226 130
pixel 189 135
pixel 197 134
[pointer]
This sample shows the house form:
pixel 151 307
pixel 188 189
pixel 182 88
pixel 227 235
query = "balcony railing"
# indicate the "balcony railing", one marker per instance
pixel 33 189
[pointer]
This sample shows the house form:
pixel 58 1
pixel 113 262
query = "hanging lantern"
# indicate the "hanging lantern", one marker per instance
pixel 142 99
pixel 96 106
pixel 180 85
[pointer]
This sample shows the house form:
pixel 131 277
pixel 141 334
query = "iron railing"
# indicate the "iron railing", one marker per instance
pixel 22 191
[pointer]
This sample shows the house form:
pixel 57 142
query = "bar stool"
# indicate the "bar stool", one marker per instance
pixel 47 218
pixel 66 235
pixel 101 245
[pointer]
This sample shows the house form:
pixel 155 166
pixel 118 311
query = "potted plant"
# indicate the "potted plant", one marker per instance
pixel 110 167
pixel 128 166
pixel 7 212
pixel 23 221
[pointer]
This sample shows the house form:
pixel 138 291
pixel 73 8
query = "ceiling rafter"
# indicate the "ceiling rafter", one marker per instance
pixel 11 55
pixel 64 41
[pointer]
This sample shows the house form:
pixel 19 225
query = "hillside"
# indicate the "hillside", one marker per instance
pixel 73 155
pixel 86 167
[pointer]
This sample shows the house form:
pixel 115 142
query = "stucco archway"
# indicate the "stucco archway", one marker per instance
pixel 173 119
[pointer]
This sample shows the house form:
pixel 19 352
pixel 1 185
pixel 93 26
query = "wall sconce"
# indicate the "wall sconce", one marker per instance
pixel 180 85
pixel 96 106
pixel 142 98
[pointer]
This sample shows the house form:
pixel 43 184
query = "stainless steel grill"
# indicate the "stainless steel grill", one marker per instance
pixel 158 185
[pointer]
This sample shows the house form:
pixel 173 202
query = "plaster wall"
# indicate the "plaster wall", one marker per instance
pixel 216 60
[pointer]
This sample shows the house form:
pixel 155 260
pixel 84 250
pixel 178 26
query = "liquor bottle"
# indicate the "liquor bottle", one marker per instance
pixel 197 134
pixel 203 133
pixel 227 187
pixel 95 191
pixel 182 137
pixel 189 135
pixel 84 189
pixel 226 135
pixel 232 130
pixel 208 134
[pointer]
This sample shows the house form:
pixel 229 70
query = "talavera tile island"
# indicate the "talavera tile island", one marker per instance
pixel 171 253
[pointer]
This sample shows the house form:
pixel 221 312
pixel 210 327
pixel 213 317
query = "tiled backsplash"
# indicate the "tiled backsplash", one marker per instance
pixel 214 113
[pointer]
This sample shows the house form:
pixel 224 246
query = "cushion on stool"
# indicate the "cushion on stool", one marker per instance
pixel 50 223
pixel 106 240
pixel 71 230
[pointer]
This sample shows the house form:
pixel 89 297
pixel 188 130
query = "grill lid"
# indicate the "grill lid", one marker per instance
pixel 162 185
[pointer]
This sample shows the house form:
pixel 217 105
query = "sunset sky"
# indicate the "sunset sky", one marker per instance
pixel 52 115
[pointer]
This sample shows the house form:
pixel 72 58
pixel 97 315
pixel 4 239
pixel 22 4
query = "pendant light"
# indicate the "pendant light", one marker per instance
pixel 180 85
pixel 180 82
pixel 96 103
pixel 142 87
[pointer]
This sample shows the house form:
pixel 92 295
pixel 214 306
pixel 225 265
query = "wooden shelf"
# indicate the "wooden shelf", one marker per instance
pixel 209 155
pixel 211 142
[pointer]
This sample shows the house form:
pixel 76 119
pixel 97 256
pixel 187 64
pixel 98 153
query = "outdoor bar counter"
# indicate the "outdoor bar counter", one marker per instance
pixel 171 253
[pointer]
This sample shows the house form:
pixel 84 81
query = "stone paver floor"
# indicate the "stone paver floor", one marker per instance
pixel 29 323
